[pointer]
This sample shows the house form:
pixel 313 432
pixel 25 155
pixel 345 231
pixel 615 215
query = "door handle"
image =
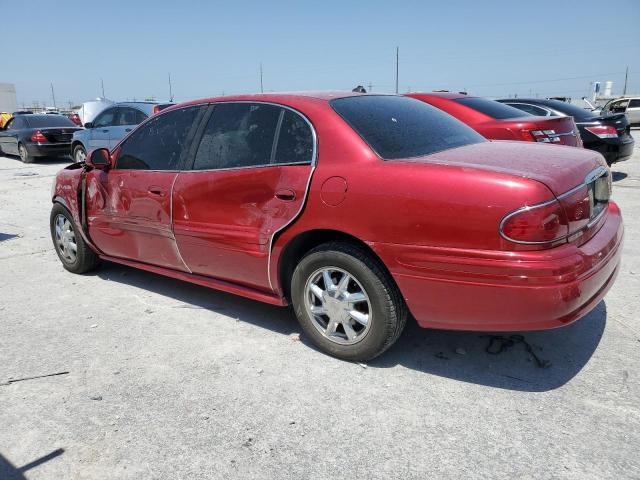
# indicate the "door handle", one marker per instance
pixel 105 131
pixel 127 129
pixel 286 195
pixel 156 191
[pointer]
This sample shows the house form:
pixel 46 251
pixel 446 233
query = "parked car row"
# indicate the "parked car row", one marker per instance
pixel 357 209
pixel 608 133
pixel 36 135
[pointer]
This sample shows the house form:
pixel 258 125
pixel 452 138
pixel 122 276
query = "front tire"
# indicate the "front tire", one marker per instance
pixel 79 154
pixel 73 252
pixel 25 157
pixel 346 302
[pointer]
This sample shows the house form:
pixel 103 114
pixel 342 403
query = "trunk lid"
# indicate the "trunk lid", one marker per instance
pixel 559 168
pixel 58 135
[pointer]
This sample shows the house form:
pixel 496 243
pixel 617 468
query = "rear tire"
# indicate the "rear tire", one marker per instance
pixel 25 157
pixel 346 302
pixel 73 252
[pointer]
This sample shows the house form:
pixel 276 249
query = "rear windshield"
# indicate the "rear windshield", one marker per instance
pixel 42 121
pixel 401 127
pixel 568 109
pixel 491 108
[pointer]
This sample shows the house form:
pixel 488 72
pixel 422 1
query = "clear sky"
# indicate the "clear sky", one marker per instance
pixel 491 48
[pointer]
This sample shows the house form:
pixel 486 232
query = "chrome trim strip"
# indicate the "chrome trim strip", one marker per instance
pixel 314 162
pixel 172 225
pixel 591 176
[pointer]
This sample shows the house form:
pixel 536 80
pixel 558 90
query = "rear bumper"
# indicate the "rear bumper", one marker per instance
pixel 614 149
pixel 44 150
pixel 506 291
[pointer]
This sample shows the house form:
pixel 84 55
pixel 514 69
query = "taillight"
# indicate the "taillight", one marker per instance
pixel 156 109
pixel 38 137
pixel 536 224
pixel 577 207
pixel 545 136
pixel 603 131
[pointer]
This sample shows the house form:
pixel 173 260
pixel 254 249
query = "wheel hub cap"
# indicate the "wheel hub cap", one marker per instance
pixel 65 239
pixel 338 305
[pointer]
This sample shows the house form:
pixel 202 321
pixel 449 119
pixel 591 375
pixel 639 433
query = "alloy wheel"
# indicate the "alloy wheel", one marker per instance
pixel 338 305
pixel 65 239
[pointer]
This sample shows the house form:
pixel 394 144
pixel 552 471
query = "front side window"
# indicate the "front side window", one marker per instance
pixel 401 127
pixel 105 119
pixel 129 116
pixel 238 135
pixel 635 103
pixel 161 143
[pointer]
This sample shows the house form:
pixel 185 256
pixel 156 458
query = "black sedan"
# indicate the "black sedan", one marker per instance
pixel 610 135
pixel 31 136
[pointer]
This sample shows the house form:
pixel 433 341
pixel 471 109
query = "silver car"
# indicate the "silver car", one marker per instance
pixel 629 106
pixel 110 126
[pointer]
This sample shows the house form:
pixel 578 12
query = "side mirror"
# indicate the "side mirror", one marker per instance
pixel 88 125
pixel 99 159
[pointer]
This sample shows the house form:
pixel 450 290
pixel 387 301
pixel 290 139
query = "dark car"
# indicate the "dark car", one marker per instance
pixel 31 136
pixel 608 134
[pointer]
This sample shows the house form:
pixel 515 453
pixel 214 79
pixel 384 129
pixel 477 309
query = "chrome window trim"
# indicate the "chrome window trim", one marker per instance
pixel 286 107
pixel 591 176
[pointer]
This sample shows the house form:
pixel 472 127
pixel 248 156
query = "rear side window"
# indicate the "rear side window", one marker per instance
pixel 238 135
pixel 295 141
pixel 161 143
pixel 491 108
pixel 402 127
pixel 532 109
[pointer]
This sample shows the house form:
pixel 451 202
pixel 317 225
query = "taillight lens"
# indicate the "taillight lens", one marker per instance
pixel 544 136
pixel 156 109
pixel 38 137
pixel 537 224
pixel 577 207
pixel 603 131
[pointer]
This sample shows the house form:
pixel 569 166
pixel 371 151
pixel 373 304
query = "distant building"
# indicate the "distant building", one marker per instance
pixel 8 102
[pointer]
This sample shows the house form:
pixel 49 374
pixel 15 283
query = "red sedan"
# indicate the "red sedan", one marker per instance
pixel 357 209
pixel 493 121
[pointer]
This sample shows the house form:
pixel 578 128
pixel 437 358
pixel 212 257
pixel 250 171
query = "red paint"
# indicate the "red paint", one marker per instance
pixel 433 221
pixel 519 129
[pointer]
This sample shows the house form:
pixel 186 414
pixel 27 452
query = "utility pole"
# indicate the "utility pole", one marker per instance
pixel 261 86
pixel 102 84
pixel 53 94
pixel 626 76
pixel 397 62
pixel 170 90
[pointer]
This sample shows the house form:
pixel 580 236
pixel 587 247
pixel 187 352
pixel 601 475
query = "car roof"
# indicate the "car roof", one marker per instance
pixel 280 97
pixel 445 95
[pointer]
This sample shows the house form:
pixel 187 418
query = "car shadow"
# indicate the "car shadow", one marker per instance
pixel 554 358
pixel 457 355
pixel 617 176
pixel 190 296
